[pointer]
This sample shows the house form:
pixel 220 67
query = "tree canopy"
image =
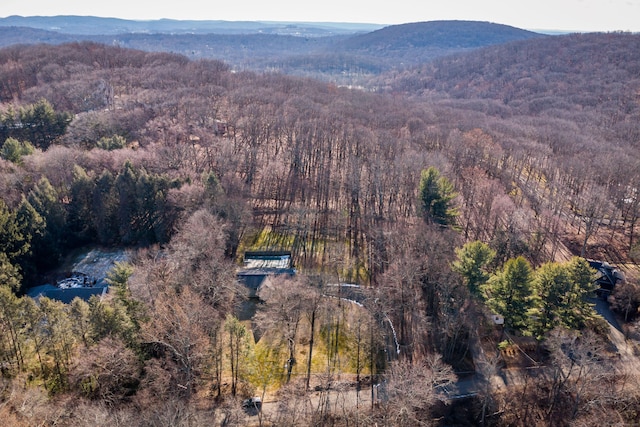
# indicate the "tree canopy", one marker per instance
pixel 436 198
pixel 38 123
pixel 473 261
pixel 509 292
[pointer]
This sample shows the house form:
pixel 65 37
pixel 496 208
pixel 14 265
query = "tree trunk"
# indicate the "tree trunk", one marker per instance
pixel 313 322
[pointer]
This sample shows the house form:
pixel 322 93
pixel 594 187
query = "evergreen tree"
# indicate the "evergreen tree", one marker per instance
pixel 115 142
pixel 146 214
pixel 12 342
pixel 105 208
pixel 80 314
pixel 58 342
pixel 41 124
pixel 553 285
pixel 8 123
pixel 142 213
pixel 127 210
pixel 152 221
pixel 212 188
pixel 562 295
pixel 33 227
pixel 48 248
pixel 473 260
pixel 583 286
pixel 110 318
pixel 436 198
pixel 29 221
pixel 80 216
pixel 9 274
pixel 509 292
pixel 13 243
pixel 118 279
pixel 13 150
pixel 37 123
pixel 17 230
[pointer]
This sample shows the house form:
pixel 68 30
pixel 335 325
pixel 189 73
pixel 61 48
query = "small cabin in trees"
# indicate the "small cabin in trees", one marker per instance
pixel 267 259
pixel 607 276
pixel 258 265
pixel 76 285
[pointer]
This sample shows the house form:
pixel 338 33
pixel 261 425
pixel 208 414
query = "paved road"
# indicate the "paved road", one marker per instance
pixel 344 398
pixel 602 307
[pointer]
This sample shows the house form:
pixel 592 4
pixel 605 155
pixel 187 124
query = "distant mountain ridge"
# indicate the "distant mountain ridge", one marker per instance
pixel 339 52
pixel 438 34
pixel 92 25
pixel 26 35
pixel 411 44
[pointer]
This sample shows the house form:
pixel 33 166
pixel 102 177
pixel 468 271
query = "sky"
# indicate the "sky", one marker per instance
pixel 565 15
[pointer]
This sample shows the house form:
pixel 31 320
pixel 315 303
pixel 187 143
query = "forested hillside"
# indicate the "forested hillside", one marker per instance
pixel 568 108
pixel 346 54
pixel 465 187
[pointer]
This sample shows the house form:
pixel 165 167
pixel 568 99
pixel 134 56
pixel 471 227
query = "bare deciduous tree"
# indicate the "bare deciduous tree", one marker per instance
pixel 284 308
pixel 411 388
pixel 179 335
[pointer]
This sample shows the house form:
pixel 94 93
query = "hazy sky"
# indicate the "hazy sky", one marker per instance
pixel 572 15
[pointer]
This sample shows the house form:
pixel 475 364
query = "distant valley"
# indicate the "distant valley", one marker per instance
pixel 340 52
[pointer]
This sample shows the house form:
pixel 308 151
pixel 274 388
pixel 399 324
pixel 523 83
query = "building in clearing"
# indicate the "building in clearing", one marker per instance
pixel 78 285
pixel 258 265
pixel 607 277
pixel 86 277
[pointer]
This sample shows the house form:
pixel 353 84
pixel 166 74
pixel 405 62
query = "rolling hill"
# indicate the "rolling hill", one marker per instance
pixel 436 34
pixel 343 53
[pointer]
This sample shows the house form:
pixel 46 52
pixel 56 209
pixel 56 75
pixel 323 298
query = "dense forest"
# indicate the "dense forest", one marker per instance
pixel 471 185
